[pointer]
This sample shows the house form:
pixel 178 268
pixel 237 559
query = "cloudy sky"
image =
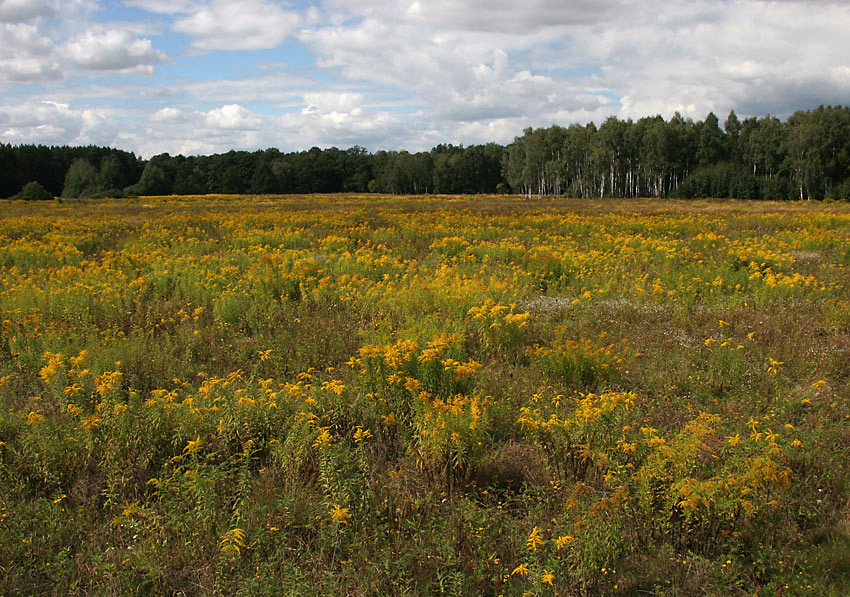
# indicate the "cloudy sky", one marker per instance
pixel 207 76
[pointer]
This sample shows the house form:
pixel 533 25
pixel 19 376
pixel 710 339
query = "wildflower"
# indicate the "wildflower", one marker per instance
pixel 107 382
pixel 233 541
pixel 91 422
pixel 34 418
pixel 341 515
pixel 563 541
pixel 535 539
pixel 518 319
pixel 522 570
pixel 429 354
pixel 54 364
pixel 193 445
pixel 78 360
pixel 547 577
pixel 773 367
pixel 361 435
pixel 324 438
pixel 336 386
pixel 72 390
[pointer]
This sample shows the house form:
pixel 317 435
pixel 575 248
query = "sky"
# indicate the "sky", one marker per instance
pixel 207 76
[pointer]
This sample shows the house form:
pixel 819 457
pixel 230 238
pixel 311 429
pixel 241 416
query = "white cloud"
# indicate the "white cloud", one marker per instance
pixel 176 130
pixel 26 56
pixel 98 128
pixel 276 87
pixel 754 57
pixel 163 6
pixel 18 11
pixel 56 123
pixel 169 115
pixel 408 73
pixel 501 61
pixel 244 25
pixel 232 117
pixel 500 130
pixel 326 102
pixel 455 75
pixel 221 129
pixel 101 49
pixel 30 55
pixel 376 129
pixel 504 16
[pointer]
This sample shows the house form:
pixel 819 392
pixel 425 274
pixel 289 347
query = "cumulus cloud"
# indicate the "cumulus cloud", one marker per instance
pixel 188 132
pixel 413 73
pixel 66 44
pixel 326 102
pixel 232 117
pixel 454 70
pixel 245 25
pixel 18 11
pixel 26 56
pixel 710 56
pixel 341 127
pixel 55 123
pixel 168 115
pixel 227 127
pixel 101 49
pixel 544 60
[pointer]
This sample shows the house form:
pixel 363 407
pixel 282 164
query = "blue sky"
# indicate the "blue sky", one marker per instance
pixel 206 76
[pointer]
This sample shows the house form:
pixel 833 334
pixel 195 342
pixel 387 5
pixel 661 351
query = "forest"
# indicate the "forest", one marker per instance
pixel 807 156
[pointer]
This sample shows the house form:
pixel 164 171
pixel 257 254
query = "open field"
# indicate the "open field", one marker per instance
pixel 381 395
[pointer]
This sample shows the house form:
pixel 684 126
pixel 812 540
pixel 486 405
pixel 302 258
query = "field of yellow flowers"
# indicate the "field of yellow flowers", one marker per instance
pixel 364 395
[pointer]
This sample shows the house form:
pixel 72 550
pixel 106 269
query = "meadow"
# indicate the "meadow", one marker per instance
pixel 376 395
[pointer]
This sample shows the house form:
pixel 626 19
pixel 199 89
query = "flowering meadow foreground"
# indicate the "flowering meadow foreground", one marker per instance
pixel 363 395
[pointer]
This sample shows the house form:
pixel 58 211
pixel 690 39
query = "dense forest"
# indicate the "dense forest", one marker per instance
pixel 805 157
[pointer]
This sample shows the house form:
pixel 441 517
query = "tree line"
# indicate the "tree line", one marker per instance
pixel 805 157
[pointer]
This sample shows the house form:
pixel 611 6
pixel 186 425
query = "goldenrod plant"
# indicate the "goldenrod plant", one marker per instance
pixel 377 395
